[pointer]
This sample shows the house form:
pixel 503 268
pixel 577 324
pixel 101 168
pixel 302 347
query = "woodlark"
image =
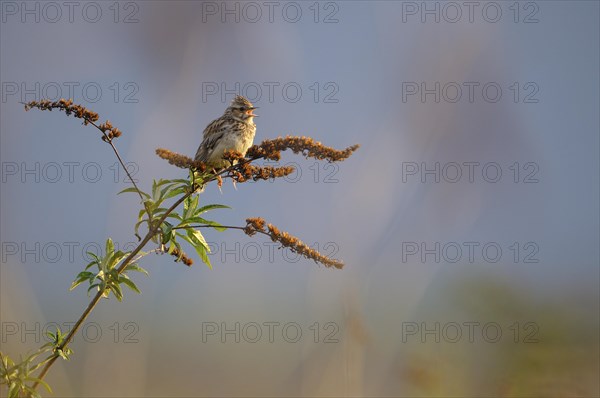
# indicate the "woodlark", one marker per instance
pixel 233 131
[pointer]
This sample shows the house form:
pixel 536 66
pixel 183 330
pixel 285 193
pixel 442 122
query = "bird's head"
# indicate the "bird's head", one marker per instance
pixel 241 109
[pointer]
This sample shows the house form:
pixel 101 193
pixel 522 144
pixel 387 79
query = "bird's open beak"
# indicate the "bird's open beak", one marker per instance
pixel 249 111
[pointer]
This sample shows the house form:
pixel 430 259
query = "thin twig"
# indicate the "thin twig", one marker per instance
pixel 221 226
pixel 114 148
pixel 41 363
pixel 109 141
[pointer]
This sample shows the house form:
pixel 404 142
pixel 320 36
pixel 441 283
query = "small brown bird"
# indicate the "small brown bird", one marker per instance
pixel 233 131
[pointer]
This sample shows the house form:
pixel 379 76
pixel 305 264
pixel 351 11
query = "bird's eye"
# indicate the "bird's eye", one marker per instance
pixel 243 108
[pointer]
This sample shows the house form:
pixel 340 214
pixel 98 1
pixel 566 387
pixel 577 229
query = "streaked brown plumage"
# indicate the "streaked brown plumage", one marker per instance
pixel 233 131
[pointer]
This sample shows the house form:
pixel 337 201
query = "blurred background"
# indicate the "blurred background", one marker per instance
pixel 468 220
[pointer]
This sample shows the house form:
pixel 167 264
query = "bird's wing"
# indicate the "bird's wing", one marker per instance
pixel 212 135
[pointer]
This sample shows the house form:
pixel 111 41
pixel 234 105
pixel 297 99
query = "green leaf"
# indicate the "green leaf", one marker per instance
pixel 213 224
pixel 104 265
pixel 174 215
pixel 181 181
pixel 132 189
pixel 93 255
pixel 46 347
pixel 159 211
pixel 81 277
pixel 164 191
pixel 97 285
pixel 137 225
pixel 206 208
pixel 110 247
pixel 135 267
pixel 197 238
pixel 7 361
pixel 175 192
pixel 189 206
pixel 203 256
pixel 85 275
pixel 157 194
pixel 154 190
pixel 13 390
pixel 167 229
pixel 91 264
pixel 112 275
pixel 62 354
pixel 31 392
pixel 149 204
pixel 40 381
pixel 162 182
pixel 116 259
pixel 116 289
pixel 129 283
pixel 199 243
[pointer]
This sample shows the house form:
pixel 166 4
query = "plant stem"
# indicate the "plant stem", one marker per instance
pixel 41 363
pixel 114 148
pixel 221 226
pixel 153 230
